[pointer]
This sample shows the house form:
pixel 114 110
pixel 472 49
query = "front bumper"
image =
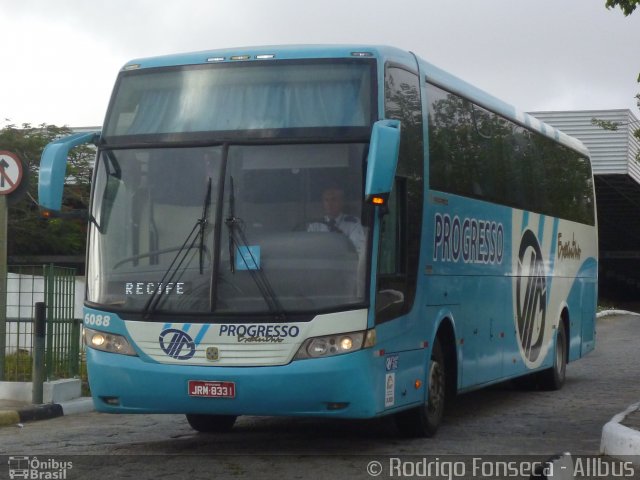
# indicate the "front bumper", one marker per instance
pixel 341 386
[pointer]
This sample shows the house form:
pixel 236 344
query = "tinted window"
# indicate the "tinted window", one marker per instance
pixel 401 228
pixel 476 153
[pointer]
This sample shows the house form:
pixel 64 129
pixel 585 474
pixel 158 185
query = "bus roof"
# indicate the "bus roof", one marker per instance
pixel 383 54
pixel 270 52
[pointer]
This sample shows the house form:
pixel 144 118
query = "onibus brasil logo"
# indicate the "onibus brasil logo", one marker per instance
pixel 38 469
pixel 531 296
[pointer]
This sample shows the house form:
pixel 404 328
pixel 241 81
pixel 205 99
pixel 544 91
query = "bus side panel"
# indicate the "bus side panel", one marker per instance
pixel 553 262
pixel 582 303
pixel 508 275
pixel 404 342
pixel 468 267
pixel 589 308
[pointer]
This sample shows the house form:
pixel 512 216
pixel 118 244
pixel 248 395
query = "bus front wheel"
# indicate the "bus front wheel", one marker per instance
pixel 211 423
pixel 423 421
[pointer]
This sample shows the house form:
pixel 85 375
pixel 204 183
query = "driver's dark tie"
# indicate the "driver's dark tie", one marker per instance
pixel 332 225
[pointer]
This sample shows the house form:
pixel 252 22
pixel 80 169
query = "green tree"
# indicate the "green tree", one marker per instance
pixel 627 6
pixel 28 232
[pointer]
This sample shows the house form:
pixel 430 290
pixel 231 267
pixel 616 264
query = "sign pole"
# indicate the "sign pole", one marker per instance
pixel 4 214
pixel 10 177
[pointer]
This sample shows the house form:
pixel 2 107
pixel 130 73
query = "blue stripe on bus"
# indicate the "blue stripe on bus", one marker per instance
pixel 552 255
pixel 201 334
pixel 541 229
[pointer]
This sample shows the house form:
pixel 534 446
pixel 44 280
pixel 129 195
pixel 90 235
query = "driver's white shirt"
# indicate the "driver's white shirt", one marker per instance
pixel 348 225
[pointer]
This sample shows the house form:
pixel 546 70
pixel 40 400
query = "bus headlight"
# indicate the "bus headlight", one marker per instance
pixel 329 345
pixel 107 342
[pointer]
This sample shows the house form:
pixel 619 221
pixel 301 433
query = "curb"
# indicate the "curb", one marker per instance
pixel 611 312
pixel 617 440
pixel 46 411
pixel 620 441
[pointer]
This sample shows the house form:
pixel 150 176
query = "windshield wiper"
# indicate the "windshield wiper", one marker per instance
pixel 197 231
pixel 231 221
pixel 237 238
pixel 112 170
pixel 203 222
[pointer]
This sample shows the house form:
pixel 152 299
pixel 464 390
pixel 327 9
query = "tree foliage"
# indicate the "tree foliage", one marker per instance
pixel 28 232
pixel 627 6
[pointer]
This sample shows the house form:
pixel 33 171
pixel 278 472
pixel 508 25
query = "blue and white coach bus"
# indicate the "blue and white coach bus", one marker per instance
pixel 333 231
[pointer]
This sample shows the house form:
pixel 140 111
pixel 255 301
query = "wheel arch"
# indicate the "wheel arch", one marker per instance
pixel 446 334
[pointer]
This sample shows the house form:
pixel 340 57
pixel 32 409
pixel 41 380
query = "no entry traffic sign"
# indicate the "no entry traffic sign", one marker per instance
pixel 10 172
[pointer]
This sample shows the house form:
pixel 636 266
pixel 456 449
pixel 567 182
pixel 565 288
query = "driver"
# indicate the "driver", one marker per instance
pixel 335 220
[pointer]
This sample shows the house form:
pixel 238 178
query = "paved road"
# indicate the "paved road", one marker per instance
pixel 496 421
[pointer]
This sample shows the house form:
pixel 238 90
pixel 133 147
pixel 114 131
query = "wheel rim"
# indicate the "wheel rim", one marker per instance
pixel 560 355
pixel 436 388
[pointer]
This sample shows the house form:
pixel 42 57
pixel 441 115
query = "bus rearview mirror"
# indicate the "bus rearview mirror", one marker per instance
pixel 53 166
pixel 382 161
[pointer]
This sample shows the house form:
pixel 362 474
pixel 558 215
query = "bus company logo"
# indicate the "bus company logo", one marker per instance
pixel 531 296
pixel 468 240
pixel 177 344
pixel 259 333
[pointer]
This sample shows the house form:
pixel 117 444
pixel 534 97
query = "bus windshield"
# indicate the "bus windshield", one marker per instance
pixel 246 96
pixel 229 229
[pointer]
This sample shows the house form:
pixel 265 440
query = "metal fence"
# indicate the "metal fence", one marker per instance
pixel 55 286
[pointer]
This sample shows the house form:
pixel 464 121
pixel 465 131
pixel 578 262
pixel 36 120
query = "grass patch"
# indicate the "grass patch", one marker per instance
pixel 18 368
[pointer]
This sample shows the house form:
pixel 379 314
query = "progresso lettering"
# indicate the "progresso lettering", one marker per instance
pixel 469 240
pixel 259 333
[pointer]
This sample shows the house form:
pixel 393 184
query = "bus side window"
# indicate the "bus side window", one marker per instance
pixel 399 252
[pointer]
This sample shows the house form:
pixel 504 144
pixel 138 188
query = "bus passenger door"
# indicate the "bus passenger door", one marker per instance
pixel 397 300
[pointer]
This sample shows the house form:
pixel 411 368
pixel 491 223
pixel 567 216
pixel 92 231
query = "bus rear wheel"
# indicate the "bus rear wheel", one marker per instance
pixel 554 377
pixel 423 421
pixel 211 423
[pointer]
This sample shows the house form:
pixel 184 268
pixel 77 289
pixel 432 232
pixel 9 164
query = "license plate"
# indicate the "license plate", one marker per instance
pixel 200 388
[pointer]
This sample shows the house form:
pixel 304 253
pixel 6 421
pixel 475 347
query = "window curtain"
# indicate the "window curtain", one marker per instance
pixel 256 105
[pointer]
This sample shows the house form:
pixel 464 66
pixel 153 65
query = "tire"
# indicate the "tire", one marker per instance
pixel 211 423
pixel 554 377
pixel 423 421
